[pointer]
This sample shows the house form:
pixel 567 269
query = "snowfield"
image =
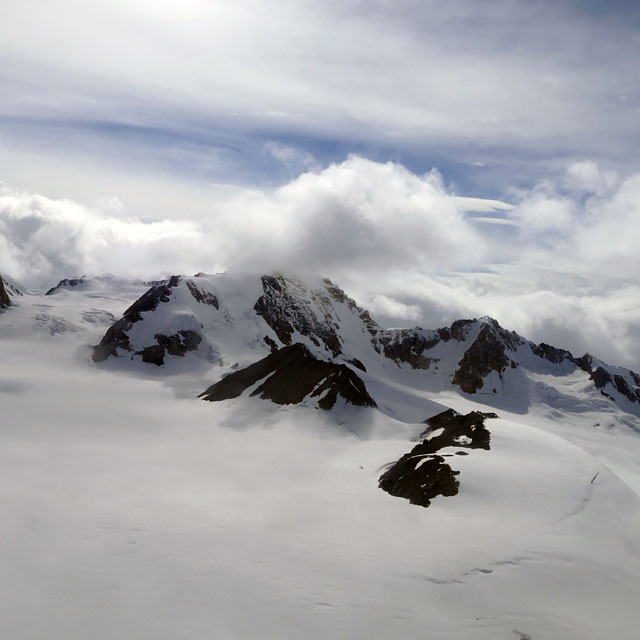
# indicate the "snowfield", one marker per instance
pixel 132 509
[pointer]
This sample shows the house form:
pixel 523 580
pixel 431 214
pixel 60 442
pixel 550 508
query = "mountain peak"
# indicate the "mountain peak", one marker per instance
pixel 234 322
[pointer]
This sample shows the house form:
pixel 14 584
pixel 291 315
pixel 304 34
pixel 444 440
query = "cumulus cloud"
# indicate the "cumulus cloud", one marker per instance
pixel 359 215
pixel 42 240
pixel 563 269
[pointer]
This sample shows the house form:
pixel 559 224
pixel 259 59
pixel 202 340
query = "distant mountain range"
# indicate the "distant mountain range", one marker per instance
pixel 280 331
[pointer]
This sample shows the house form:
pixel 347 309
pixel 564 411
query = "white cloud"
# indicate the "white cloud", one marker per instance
pixel 43 240
pixel 398 242
pixel 587 177
pixel 291 157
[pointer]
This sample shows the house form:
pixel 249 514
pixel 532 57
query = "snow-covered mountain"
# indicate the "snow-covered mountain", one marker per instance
pixel 235 322
pixel 133 508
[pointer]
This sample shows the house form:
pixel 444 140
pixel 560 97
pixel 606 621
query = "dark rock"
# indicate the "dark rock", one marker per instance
pixel 150 300
pixel 633 395
pixel 460 329
pixel 486 354
pixel 284 310
pixel 5 300
pixel 356 363
pixel 552 354
pixel 290 375
pixel 153 354
pixel 272 343
pixel 408 346
pixel 585 362
pixel 203 297
pixel 177 344
pixel 116 336
pixel 422 474
pixel 600 377
pixel 64 283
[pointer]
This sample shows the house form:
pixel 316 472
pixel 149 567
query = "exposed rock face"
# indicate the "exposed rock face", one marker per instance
pixel 458 330
pixel 5 300
pixel 486 354
pixel 214 317
pixel 288 306
pixel 204 297
pixel 413 346
pixel 151 299
pixel 422 474
pixel 292 374
pixel 633 395
pixel 65 283
pixel 585 363
pixel 116 337
pixel 408 346
pixel 600 377
pixel 552 354
pixel 175 345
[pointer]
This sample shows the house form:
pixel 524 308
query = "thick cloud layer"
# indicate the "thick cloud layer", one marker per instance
pixel 560 264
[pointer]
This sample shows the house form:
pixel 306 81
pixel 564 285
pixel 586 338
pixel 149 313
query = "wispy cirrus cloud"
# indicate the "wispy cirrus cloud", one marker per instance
pixel 495 94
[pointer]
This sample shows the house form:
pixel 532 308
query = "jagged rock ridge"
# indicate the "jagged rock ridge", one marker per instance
pixel 289 376
pixel 222 319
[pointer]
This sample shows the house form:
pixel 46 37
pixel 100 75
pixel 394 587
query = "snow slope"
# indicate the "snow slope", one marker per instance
pixel 131 509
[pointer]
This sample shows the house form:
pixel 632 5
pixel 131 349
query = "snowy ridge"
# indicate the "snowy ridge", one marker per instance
pixel 232 321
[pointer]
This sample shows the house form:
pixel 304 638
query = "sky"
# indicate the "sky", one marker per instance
pixel 435 159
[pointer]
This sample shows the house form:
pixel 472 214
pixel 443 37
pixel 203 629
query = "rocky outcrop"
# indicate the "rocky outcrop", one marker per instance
pixel 288 306
pixel 552 354
pixel 291 375
pixel 203 297
pixel 177 344
pixel 423 474
pixel 601 377
pixel 65 283
pixel 413 346
pixel 408 345
pixel 486 354
pixel 5 300
pixel 623 387
pixel 116 338
pixel 585 362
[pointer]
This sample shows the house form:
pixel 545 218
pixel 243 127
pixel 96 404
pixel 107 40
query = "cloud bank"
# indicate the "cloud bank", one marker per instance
pixel 559 263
